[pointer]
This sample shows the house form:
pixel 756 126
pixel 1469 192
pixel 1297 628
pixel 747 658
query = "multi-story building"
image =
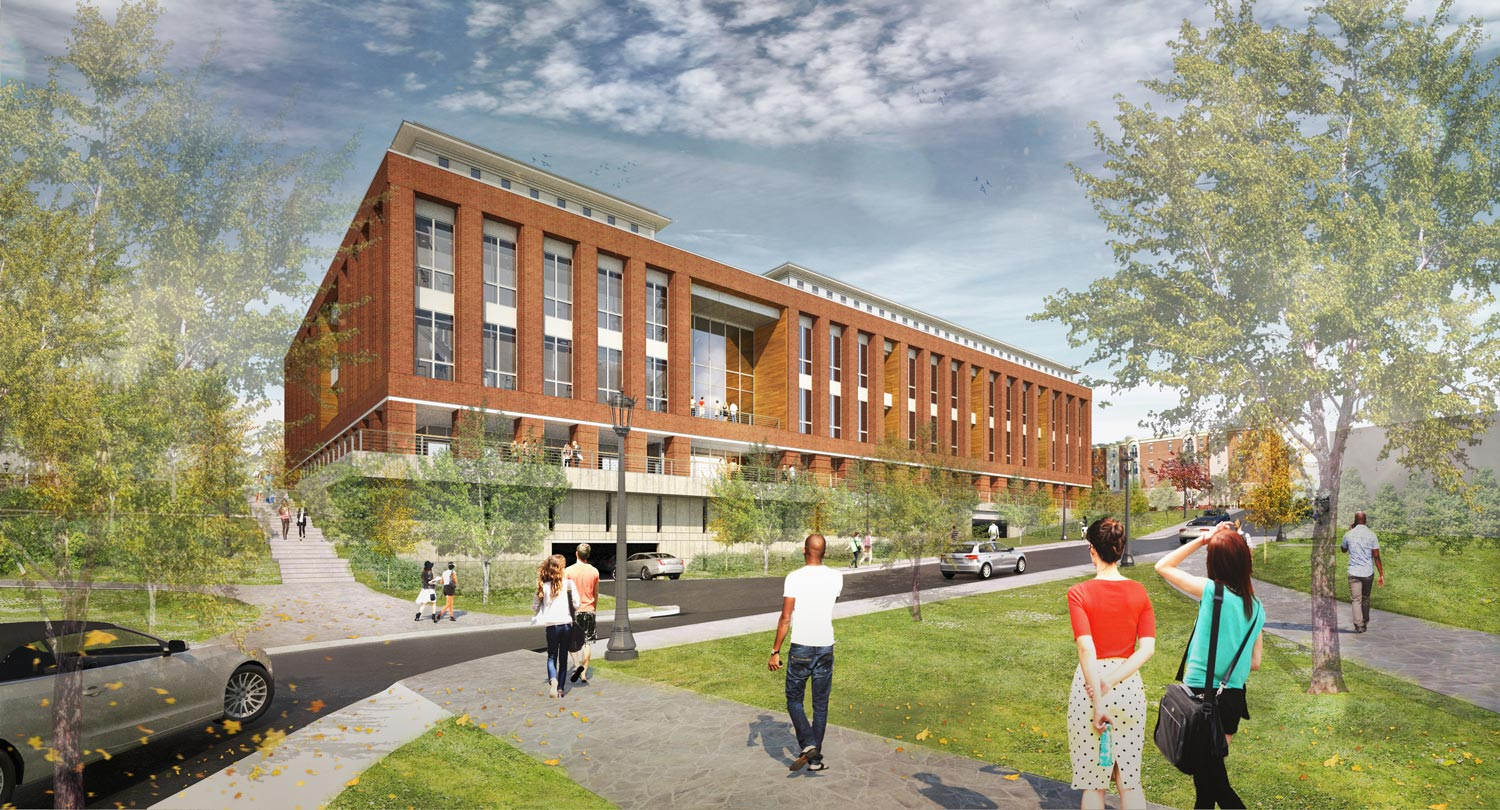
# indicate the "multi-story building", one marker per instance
pixel 1109 459
pixel 474 281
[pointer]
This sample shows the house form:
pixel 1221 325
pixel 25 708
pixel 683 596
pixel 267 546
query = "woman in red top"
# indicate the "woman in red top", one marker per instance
pixel 1115 629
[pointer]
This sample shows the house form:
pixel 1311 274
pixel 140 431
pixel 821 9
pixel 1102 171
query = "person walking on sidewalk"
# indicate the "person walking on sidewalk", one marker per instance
pixel 869 545
pixel 1363 549
pixel 585 579
pixel 854 551
pixel 556 599
pixel 1114 627
pixel 807 611
pixel 1241 618
pixel 301 523
pixel 450 587
pixel 427 596
pixel 286 520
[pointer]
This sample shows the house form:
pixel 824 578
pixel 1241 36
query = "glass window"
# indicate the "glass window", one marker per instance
pixel 499 357
pixel 499 271
pixel 611 300
pixel 610 218
pixel 656 311
pixel 835 356
pixel 635 228
pixel 804 411
pixel 474 173
pixel 557 367
pixel 864 420
pixel 434 345
pixel 504 182
pixel 557 285
pixel 836 416
pixel 434 254
pixel 911 376
pixel 804 349
pixel 443 162
pixel 587 211
pixel 932 380
pixel 723 369
pixel 864 364
pixel 561 203
pixel 536 194
pixel 609 372
pixel 656 384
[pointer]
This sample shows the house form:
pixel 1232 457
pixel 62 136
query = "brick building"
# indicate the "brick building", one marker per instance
pixel 472 280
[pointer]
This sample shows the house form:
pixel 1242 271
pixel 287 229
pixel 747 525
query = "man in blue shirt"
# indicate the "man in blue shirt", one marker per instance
pixel 1363 549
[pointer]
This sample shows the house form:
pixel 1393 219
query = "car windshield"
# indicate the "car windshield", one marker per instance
pixel 963 549
pixel 1206 520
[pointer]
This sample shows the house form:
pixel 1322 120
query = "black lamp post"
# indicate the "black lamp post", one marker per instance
pixel 621 642
pixel 1127 559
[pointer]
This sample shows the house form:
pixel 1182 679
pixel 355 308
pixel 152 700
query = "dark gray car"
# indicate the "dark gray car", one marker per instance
pixel 132 683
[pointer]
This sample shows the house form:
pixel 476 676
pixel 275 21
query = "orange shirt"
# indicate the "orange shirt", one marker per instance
pixel 1116 612
pixel 586 579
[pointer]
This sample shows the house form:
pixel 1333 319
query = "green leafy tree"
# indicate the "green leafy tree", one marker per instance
pixel 1162 496
pixel 1389 514
pixel 1025 509
pixel 1273 499
pixel 755 502
pixel 1306 228
pixel 1100 501
pixel 1486 487
pixel 1353 496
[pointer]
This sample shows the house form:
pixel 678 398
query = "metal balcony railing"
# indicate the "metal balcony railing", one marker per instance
pixel 365 440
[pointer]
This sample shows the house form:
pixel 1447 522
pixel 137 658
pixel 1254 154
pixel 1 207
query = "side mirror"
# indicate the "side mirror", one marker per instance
pixel 176 646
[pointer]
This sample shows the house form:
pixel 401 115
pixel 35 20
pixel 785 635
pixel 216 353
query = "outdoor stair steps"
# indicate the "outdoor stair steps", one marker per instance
pixel 310 561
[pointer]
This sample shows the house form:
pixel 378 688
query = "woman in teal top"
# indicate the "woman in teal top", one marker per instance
pixel 1240 618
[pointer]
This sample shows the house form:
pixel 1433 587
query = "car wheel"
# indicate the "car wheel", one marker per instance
pixel 1020 565
pixel 947 575
pixel 673 576
pixel 248 694
pixel 985 571
pixel 645 574
pixel 7 775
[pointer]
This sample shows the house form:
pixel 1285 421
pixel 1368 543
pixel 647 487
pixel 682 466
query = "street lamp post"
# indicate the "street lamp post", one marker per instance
pixel 621 642
pixel 1127 559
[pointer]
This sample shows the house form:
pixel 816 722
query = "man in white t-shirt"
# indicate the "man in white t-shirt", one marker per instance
pixel 807 611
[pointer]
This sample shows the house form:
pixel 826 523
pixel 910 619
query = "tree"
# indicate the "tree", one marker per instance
pixel 1224 490
pixel 481 503
pixel 1390 512
pixel 1162 496
pixel 1486 485
pixel 1353 496
pixel 755 503
pixel 1100 501
pixel 1272 501
pixel 1306 230
pixel 214 219
pixel 1025 508
pixel 1186 474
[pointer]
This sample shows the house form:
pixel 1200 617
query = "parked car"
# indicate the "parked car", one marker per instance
pixel 1198 527
pixel 651 564
pixel 983 558
pixel 131 682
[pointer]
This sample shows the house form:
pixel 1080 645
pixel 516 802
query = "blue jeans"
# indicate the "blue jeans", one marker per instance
pixel 816 663
pixel 557 650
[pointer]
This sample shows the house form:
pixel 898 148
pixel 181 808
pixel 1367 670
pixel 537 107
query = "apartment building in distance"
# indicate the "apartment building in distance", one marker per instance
pixel 1108 459
pixel 475 281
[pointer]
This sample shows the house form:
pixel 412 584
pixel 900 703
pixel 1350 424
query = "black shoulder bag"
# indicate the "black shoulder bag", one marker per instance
pixel 1189 732
pixel 575 633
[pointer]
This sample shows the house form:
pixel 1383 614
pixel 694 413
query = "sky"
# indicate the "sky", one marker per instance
pixel 919 150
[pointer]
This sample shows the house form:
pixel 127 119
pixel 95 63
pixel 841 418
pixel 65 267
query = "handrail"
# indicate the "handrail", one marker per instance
pixel 421 444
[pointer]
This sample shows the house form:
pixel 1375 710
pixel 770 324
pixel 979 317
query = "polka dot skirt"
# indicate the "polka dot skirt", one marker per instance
pixel 1126 703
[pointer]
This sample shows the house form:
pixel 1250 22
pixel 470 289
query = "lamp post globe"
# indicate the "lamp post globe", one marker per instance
pixel 621 643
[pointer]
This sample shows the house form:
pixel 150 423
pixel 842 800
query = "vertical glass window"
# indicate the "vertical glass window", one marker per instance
pixel 557 285
pixel 611 300
pixel 864 364
pixel 911 428
pixel 911 376
pixel 864 420
pixel 499 357
pixel 434 345
pixel 656 384
pixel 932 383
pixel 609 371
pixel 835 356
pixel 434 254
pixel 656 311
pixel 499 271
pixel 804 349
pixel 557 367
pixel 835 416
pixel 804 410
pixel 953 386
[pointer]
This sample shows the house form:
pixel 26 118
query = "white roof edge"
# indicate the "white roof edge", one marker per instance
pixel 410 132
pixel 787 269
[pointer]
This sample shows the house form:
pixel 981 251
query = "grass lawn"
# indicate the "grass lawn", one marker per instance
pixel 988 677
pixel 463 766
pixel 1140 526
pixel 188 616
pixel 259 570
pixel 1458 589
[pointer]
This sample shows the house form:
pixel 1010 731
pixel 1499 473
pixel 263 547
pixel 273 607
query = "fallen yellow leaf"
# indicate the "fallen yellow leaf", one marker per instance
pixel 352 782
pixel 551 761
pixel 923 734
pixel 232 726
pixel 35 743
pixel 1011 777
pixel 463 720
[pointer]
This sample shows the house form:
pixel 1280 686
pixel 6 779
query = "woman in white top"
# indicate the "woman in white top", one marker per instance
pixel 553 607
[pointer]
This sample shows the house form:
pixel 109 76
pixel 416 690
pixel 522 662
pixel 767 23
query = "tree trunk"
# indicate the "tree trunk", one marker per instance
pixel 1328 670
pixel 486 582
pixel 150 607
pixel 765 559
pixel 1184 503
pixel 67 713
pixel 916 589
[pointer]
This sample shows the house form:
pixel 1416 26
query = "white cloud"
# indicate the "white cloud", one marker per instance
pixel 411 84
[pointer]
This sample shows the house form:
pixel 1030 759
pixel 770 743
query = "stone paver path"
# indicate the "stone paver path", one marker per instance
pixel 643 745
pixel 1448 660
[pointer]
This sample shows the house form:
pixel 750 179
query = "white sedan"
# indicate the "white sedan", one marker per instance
pixel 135 687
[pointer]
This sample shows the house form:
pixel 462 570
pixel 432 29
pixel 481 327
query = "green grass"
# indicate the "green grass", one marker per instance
pixel 1457 589
pixel 258 570
pixel 506 597
pixel 988 676
pixel 463 766
pixel 188 616
pixel 1140 526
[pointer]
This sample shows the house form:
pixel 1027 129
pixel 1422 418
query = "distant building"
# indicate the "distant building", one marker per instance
pixel 1362 455
pixel 1110 458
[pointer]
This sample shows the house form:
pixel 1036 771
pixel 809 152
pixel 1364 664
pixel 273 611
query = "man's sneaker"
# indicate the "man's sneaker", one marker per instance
pixel 419 616
pixel 814 767
pixel 435 617
pixel 577 673
pixel 809 754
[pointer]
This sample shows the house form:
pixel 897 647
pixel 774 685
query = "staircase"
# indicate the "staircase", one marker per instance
pixel 304 562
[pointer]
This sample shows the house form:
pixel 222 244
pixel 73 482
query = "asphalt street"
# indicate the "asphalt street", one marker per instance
pixel 316 682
